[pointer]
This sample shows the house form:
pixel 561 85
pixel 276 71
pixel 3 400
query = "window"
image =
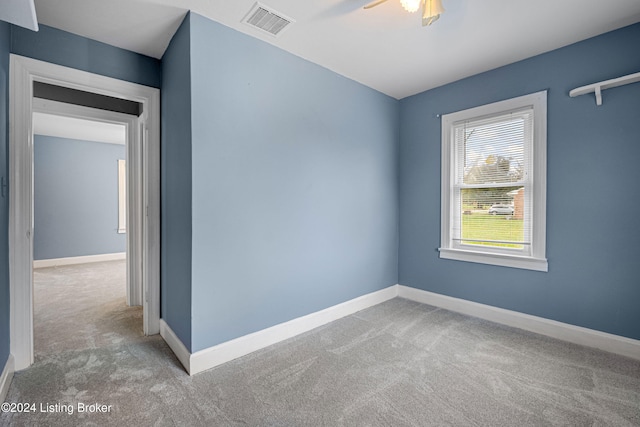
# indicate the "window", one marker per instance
pixel 494 183
pixel 122 196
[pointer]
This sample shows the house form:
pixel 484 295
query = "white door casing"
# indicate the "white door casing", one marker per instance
pixel 23 72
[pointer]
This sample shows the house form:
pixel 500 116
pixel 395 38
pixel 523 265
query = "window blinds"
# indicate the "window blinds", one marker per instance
pixel 491 183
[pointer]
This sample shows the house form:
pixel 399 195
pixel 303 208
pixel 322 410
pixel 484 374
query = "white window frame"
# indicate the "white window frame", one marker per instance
pixel 535 259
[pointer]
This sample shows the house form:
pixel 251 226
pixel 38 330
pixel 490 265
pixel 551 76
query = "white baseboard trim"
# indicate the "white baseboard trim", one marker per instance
pixel 175 345
pixel 55 262
pixel 227 351
pixel 213 356
pixel 575 334
pixel 6 377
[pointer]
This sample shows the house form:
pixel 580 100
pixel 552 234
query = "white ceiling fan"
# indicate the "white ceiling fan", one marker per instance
pixel 431 9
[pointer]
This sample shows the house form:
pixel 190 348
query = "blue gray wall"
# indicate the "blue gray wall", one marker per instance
pixel 70 50
pixel 175 232
pixel 293 184
pixel 592 197
pixel 5 36
pixel 75 198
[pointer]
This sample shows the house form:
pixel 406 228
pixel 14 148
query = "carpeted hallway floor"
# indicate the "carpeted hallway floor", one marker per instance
pixel 82 306
pixel 396 364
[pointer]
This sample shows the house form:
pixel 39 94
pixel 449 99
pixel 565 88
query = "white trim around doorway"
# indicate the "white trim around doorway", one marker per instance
pixel 23 72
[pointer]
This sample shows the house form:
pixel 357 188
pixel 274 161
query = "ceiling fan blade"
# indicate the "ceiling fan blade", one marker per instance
pixel 431 10
pixel 374 4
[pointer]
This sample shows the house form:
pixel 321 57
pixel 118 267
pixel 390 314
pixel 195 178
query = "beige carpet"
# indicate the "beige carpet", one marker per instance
pixel 397 364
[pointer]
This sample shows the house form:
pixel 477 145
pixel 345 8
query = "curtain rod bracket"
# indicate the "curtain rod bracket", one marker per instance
pixel 597 88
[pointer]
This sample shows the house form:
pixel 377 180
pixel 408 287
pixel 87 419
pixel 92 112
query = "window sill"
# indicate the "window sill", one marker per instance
pixel 527 263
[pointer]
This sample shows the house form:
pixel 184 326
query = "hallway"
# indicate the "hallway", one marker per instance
pixel 82 306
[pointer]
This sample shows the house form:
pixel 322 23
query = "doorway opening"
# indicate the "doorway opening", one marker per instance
pixel 82 285
pixel 142 219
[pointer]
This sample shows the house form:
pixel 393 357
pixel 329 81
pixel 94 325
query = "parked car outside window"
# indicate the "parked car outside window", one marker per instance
pixel 501 210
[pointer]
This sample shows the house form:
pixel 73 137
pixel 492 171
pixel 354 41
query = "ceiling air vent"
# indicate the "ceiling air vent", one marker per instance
pixel 267 20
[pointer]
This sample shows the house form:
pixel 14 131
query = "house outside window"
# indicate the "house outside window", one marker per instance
pixel 494 183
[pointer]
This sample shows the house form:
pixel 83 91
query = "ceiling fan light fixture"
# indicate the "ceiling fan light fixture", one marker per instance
pixel 431 12
pixel 411 5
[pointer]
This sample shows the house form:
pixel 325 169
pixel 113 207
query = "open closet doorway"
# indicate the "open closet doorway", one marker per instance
pixel 86 292
pixel 143 208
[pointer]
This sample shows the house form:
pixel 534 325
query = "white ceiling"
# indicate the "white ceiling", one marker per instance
pixel 81 129
pixel 384 48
